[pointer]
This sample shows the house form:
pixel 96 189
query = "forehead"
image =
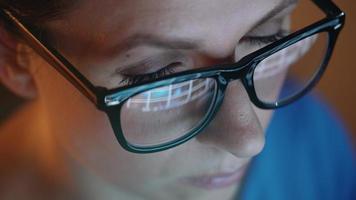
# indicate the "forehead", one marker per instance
pixel 123 9
pixel 103 23
pixel 112 14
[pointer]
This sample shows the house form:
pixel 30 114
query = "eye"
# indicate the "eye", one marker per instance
pixel 129 79
pixel 265 40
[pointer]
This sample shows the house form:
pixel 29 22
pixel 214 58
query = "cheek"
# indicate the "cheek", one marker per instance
pixel 85 134
pixel 264 116
pixel 268 88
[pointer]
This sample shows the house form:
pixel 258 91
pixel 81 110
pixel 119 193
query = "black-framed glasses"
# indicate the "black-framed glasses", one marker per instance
pixel 171 110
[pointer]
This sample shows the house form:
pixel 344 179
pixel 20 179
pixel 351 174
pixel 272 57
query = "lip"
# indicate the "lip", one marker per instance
pixel 217 181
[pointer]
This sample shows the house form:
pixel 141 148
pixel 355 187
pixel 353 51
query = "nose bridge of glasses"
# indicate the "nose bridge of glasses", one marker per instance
pixel 236 71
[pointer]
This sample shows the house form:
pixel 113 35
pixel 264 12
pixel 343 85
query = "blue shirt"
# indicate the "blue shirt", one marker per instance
pixel 307 156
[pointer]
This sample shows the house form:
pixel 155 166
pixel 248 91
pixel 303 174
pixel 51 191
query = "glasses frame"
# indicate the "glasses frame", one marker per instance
pixel 111 100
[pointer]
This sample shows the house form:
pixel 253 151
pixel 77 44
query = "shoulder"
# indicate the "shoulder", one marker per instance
pixel 308 155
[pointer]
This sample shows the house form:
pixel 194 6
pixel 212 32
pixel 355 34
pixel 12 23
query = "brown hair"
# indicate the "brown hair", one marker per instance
pixel 34 12
pixel 37 11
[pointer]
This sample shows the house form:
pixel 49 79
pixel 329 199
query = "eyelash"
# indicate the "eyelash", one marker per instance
pixel 170 69
pixel 265 40
pixel 139 78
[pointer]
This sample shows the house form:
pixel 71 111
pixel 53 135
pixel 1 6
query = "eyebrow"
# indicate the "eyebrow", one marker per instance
pixel 276 10
pixel 185 43
pixel 156 41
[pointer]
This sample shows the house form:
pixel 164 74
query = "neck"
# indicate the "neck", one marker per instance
pixel 26 137
pixel 33 161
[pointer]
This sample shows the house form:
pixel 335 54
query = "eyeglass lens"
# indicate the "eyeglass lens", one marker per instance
pixel 167 113
pixel 298 63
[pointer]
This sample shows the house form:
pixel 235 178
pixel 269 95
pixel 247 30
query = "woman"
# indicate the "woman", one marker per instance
pixel 172 140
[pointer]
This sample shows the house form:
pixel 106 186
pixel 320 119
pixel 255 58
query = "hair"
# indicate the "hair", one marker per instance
pixel 34 13
pixel 37 11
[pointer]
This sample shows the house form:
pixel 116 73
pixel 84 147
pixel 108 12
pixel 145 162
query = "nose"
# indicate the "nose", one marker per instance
pixel 236 127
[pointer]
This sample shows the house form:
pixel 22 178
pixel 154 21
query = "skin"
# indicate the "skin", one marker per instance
pixel 78 137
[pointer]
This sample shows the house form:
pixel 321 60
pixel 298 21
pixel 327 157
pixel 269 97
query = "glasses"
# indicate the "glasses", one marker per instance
pixel 157 115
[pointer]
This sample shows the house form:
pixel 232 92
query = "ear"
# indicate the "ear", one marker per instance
pixel 15 66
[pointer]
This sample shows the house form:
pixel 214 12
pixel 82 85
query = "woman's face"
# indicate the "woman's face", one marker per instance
pixel 106 39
